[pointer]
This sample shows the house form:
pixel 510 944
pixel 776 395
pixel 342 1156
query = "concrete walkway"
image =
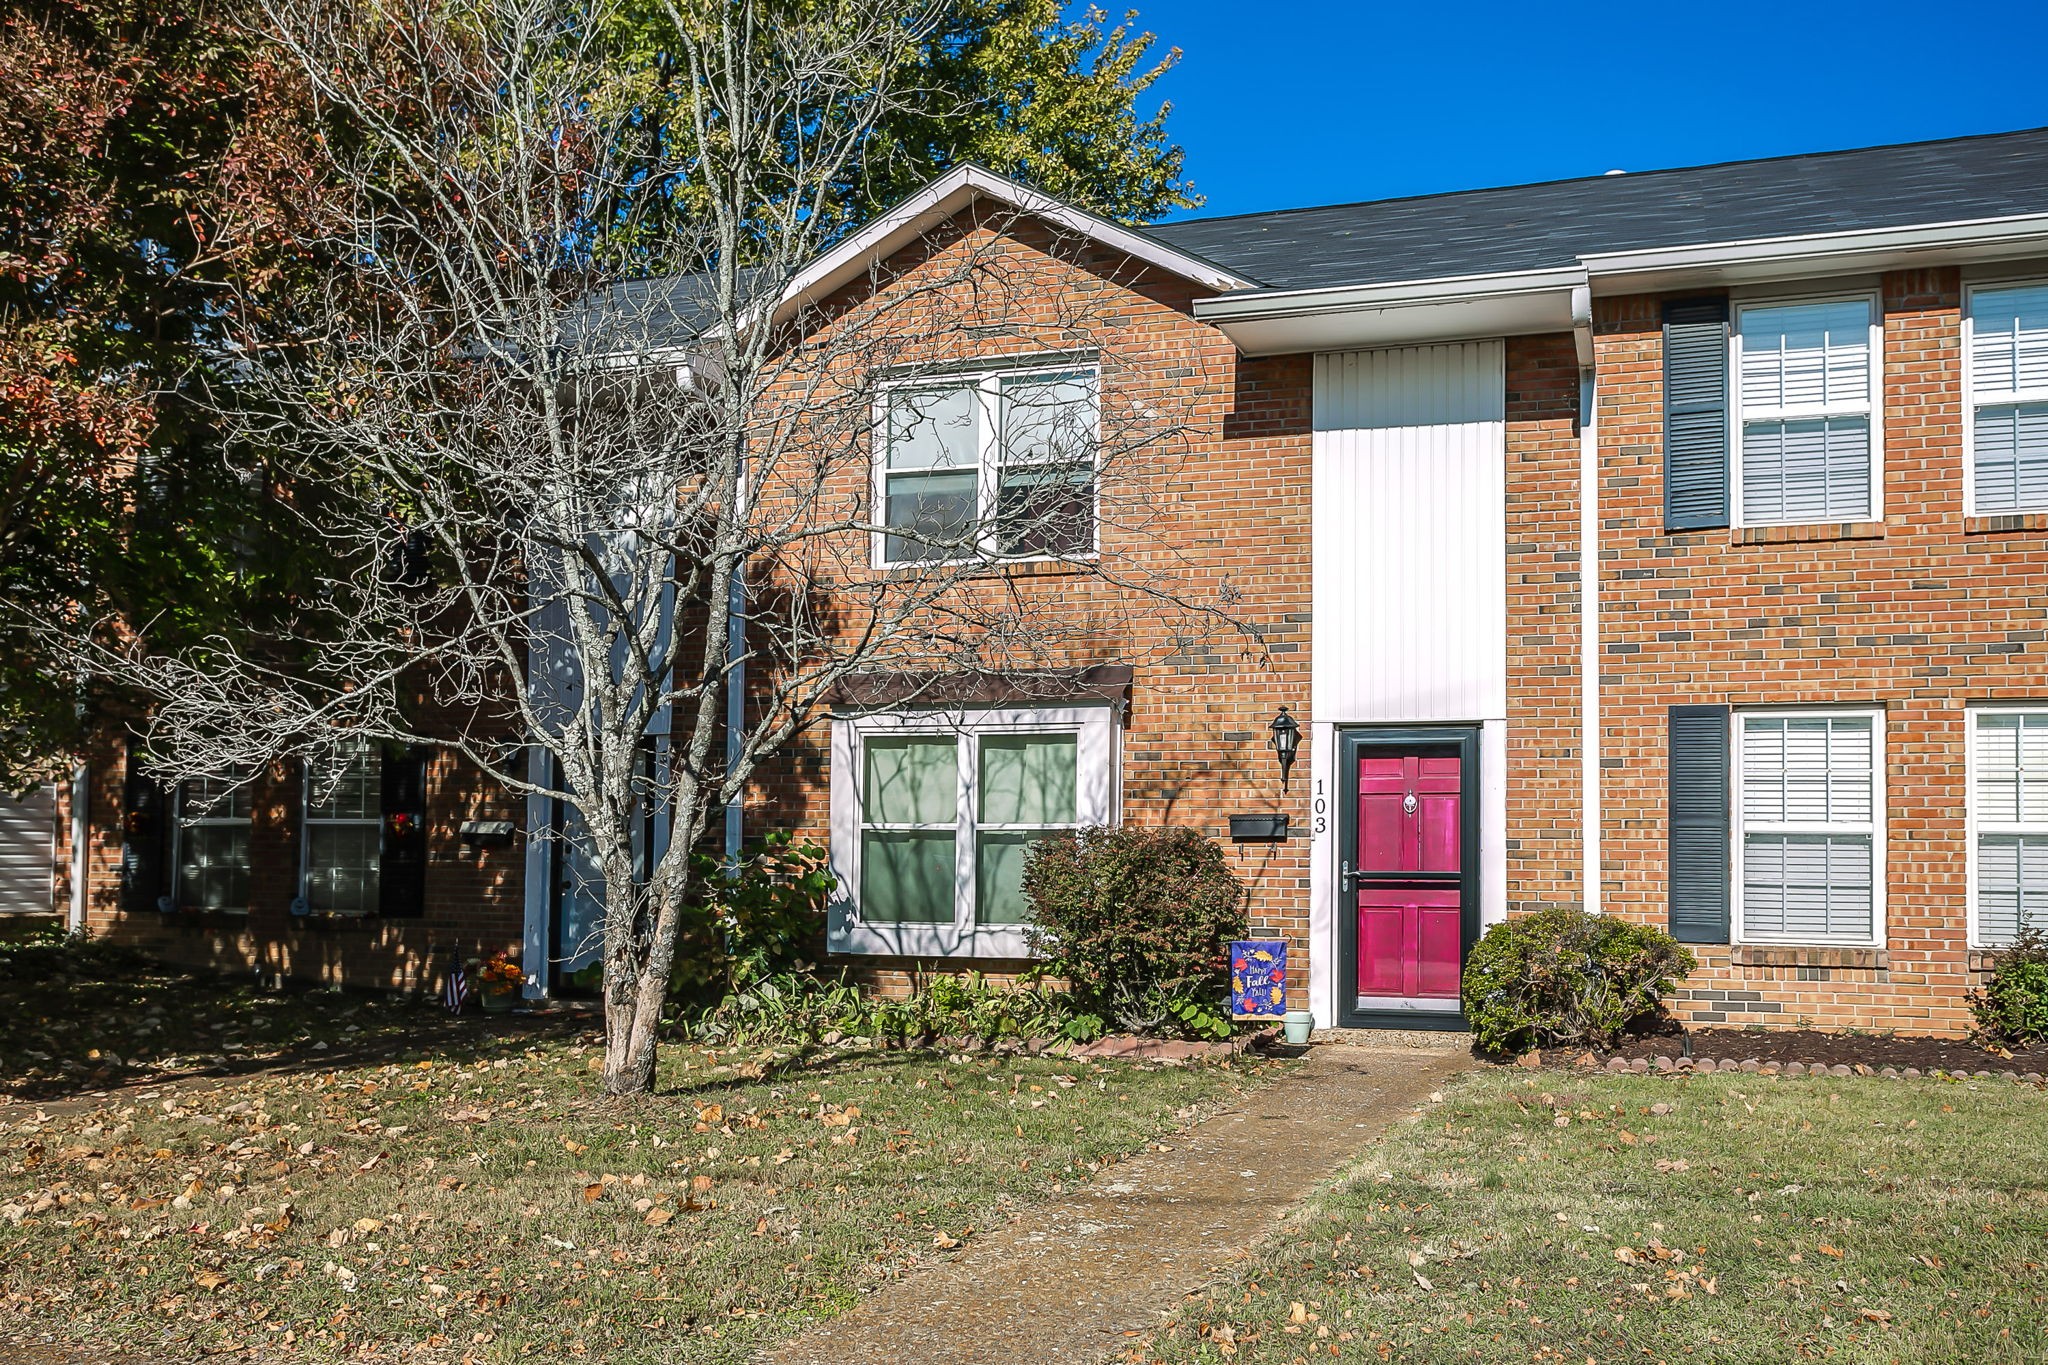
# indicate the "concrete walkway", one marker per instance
pixel 1069 1279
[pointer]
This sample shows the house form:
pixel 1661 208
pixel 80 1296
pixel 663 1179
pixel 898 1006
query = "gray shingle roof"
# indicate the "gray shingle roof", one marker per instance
pixel 1531 227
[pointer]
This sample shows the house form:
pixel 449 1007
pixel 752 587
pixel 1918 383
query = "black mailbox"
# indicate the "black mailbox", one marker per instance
pixel 1246 829
pixel 486 833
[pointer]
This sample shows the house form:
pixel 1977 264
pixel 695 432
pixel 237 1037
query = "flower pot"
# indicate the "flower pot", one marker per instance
pixel 498 1002
pixel 1297 1024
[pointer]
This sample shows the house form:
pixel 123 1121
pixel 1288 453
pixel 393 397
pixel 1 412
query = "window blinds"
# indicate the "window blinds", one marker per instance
pixel 2011 808
pixel 1805 384
pixel 2009 390
pixel 1809 824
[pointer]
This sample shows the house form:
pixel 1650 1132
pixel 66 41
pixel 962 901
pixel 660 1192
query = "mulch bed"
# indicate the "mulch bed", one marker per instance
pixel 1814 1048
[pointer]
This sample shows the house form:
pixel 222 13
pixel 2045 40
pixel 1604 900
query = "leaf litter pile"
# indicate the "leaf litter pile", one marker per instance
pixel 1588 1219
pixel 488 1203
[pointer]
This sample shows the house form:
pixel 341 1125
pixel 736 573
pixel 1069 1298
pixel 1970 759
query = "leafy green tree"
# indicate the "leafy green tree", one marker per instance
pixel 144 150
pixel 1023 87
pixel 1019 87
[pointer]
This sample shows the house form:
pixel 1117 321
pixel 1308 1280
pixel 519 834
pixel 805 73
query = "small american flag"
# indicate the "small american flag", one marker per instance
pixel 456 993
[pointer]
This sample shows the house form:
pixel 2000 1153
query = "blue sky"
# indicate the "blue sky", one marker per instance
pixel 1282 104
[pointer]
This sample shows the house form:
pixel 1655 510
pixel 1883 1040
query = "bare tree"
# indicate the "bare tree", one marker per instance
pixel 550 408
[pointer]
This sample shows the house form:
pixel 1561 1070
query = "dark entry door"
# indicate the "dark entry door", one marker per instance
pixel 1408 870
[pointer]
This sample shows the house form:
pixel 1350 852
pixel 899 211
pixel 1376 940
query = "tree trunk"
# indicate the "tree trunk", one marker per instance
pixel 632 1021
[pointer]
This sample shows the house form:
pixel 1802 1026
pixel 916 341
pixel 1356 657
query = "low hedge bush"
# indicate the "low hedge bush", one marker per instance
pixel 1138 922
pixel 2012 1009
pixel 1562 977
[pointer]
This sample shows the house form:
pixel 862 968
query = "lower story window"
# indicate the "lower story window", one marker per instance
pixel 213 845
pixel 935 815
pixel 2009 823
pixel 1809 846
pixel 343 831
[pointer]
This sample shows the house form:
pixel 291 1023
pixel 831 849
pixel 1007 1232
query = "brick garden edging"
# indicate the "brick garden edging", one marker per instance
pixel 1672 1066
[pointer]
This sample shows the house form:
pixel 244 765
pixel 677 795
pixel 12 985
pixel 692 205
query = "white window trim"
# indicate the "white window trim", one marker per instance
pixel 1873 408
pixel 1971 400
pixel 1740 826
pixel 987 384
pixel 306 822
pixel 180 824
pixel 1971 827
pixel 1096 800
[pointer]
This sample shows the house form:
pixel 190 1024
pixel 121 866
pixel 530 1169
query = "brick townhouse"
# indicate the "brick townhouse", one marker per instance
pixel 1667 544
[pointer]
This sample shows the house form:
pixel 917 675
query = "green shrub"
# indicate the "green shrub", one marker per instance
pixel 1139 923
pixel 52 953
pixel 799 1008
pixel 752 922
pixel 1562 977
pixel 2013 1008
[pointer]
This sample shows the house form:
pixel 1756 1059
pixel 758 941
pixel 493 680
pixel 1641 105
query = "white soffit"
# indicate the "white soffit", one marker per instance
pixel 957 189
pixel 1365 316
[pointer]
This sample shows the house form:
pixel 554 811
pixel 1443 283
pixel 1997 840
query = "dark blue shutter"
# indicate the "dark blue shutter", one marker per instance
pixel 1695 414
pixel 1698 855
pixel 145 837
pixel 402 868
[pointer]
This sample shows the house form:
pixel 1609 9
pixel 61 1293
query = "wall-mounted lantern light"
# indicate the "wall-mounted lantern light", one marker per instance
pixel 1285 739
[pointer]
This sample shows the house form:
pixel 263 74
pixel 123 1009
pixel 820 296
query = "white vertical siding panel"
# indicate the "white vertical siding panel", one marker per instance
pixel 1410 532
pixel 28 849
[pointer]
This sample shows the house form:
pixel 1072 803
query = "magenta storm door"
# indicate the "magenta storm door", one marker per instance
pixel 1407 869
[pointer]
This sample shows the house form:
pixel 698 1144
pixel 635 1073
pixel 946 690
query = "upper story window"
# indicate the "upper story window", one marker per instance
pixel 343 833
pixel 1809 828
pixel 988 465
pixel 2006 328
pixel 1807 411
pixel 213 845
pixel 2009 823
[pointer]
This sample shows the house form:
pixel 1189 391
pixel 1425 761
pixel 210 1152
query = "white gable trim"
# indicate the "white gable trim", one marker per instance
pixel 954 191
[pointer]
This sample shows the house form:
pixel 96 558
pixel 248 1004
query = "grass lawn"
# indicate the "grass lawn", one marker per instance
pixel 1593 1218
pixel 80 1017
pixel 476 1197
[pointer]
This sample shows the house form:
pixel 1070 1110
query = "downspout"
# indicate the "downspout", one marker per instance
pixel 735 709
pixel 1589 602
pixel 736 689
pixel 81 791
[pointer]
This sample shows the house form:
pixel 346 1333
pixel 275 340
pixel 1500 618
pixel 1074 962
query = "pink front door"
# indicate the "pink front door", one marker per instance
pixel 1406 872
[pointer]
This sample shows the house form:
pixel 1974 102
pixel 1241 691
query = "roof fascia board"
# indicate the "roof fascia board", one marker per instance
pixel 954 191
pixel 1827 253
pixel 1520 303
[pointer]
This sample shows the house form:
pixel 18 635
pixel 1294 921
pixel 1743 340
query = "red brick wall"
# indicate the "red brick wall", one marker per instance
pixel 1919 615
pixel 473 896
pixel 1230 501
pixel 1544 849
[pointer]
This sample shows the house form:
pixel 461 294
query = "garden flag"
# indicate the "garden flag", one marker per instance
pixel 1258 978
pixel 456 993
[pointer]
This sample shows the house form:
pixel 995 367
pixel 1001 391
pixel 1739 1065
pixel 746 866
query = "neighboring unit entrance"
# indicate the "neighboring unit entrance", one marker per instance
pixel 1408 878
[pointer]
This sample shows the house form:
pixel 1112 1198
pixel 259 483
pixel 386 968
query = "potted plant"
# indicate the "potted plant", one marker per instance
pixel 498 983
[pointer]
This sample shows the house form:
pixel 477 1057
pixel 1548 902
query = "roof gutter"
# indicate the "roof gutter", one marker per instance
pixel 1825 253
pixel 1516 303
pixel 1521 303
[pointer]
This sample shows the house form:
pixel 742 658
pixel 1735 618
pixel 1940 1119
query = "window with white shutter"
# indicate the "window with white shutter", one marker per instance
pixel 2009 824
pixel 1806 377
pixel 1810 817
pixel 2007 328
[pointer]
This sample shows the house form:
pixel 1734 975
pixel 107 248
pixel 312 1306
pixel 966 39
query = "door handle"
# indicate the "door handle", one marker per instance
pixel 1347 879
